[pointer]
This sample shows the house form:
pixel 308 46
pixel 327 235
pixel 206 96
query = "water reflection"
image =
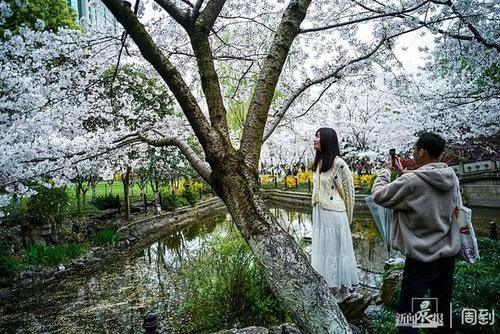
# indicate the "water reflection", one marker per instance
pixel 114 297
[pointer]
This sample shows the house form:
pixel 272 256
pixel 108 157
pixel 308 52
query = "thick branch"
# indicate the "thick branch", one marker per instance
pixel 167 71
pixel 288 29
pixel 69 156
pixel 204 56
pixel 201 167
pixel 308 83
pixel 196 9
pixel 177 14
pixel 211 12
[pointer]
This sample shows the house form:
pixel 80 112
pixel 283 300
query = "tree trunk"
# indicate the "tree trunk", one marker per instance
pixel 78 200
pixel 93 186
pixel 126 188
pixel 288 272
pixel 142 187
pixel 84 198
pixel 110 184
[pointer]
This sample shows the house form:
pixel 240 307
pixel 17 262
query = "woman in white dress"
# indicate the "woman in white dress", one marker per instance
pixel 333 203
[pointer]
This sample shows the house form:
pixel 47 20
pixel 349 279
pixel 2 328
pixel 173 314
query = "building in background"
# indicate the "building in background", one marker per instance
pixel 95 17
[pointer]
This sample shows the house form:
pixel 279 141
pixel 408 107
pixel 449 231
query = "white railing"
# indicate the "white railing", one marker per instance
pixel 476 167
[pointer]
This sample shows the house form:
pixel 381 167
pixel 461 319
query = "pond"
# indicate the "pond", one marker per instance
pixel 115 297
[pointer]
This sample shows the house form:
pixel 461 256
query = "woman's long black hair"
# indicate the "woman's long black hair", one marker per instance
pixel 329 145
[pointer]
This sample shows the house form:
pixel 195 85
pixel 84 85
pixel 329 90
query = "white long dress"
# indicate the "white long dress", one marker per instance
pixel 333 203
pixel 332 252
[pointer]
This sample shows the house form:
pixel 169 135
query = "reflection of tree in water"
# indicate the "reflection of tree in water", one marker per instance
pixel 193 231
pixel 178 245
pixel 173 241
pixel 276 213
pixel 295 222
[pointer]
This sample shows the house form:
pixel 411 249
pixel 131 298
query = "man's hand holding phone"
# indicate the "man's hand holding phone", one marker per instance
pixel 393 162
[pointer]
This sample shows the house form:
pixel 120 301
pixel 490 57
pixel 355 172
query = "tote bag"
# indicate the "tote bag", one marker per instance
pixel 468 241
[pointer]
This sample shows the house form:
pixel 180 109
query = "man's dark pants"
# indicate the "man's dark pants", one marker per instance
pixel 418 278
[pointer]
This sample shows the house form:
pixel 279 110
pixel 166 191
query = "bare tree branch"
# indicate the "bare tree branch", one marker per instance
pixel 316 100
pixel 288 29
pixel 364 19
pixel 251 19
pixel 241 79
pixel 476 34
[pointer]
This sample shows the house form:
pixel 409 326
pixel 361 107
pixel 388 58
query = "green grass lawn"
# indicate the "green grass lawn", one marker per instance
pixel 104 189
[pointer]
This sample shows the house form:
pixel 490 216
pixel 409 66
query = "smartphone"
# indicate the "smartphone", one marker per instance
pixel 392 153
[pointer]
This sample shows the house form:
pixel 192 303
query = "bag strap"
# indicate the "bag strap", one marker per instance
pixel 458 195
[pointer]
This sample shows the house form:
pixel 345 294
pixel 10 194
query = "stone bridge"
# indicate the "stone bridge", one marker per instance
pixel 480 183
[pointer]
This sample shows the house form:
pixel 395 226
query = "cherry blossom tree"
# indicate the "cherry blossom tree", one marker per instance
pixel 63 101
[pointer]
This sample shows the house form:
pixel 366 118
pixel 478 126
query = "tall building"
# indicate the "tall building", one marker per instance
pixel 94 16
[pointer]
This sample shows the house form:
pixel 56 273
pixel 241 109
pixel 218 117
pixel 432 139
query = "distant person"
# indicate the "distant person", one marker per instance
pixel 423 202
pixel 359 168
pixel 369 167
pixel 333 204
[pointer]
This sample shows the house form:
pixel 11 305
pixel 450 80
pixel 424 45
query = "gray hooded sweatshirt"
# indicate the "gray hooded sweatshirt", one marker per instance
pixel 423 201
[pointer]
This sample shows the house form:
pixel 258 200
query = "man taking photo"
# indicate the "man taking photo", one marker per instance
pixel 423 202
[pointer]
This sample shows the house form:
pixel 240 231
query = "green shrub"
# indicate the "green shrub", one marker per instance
pixel 476 286
pixel 9 266
pixel 189 195
pixel 226 288
pixel 106 236
pixel 48 206
pixel 107 202
pixel 53 255
pixel 4 248
pixel 182 201
pixel 384 321
pixel 170 201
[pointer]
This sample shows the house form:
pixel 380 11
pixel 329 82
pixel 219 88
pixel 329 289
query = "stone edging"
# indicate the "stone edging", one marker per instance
pixel 304 199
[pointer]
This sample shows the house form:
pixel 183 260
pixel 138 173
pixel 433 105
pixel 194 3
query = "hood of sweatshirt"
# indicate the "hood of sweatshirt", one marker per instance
pixel 438 175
